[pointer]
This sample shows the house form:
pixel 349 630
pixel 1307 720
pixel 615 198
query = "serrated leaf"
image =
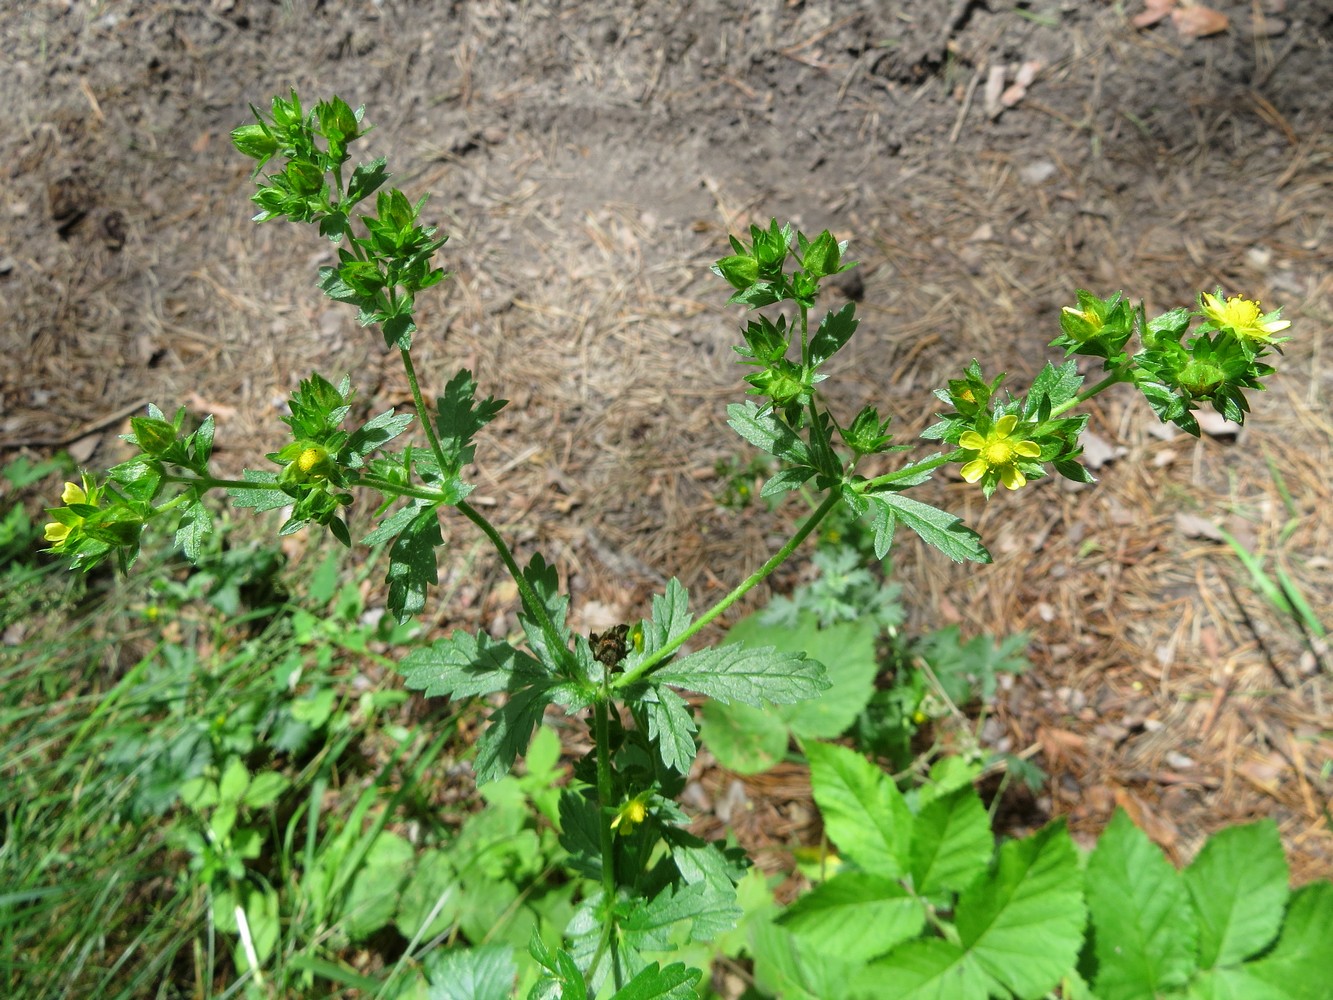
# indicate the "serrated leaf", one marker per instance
pixel 463 665
pixel 1050 388
pixel 413 565
pixel 856 916
pixel 834 331
pixel 672 727
pixel 258 500
pixel 936 527
pixel 767 432
pixel 1298 963
pixel 1144 936
pixel 753 676
pixel 951 842
pixel 509 732
pixel 710 909
pixel 864 812
pixel 929 969
pixel 459 416
pixel 785 480
pixel 1023 925
pixel 784 967
pixel 546 585
pixel 196 524
pixel 671 617
pixel 1238 885
pixel 675 982
pixel 485 972
pixel 373 434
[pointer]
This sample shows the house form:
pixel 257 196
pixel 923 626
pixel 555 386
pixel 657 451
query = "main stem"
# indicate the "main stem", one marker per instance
pixel 605 802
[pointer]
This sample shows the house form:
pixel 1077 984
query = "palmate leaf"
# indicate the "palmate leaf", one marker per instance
pixel 546 585
pixel 752 676
pixel 1145 942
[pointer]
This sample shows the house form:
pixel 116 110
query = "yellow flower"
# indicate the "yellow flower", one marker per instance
pixel 1242 317
pixel 997 451
pixel 631 814
pixel 1094 321
pixel 57 532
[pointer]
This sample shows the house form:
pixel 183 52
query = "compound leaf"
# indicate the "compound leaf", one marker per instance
pixel 951 842
pixel 485 972
pixel 1238 884
pixel 864 812
pixel 936 527
pixel 855 915
pixel 413 563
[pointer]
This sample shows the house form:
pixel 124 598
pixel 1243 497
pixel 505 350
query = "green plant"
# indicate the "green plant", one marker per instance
pixel 648 883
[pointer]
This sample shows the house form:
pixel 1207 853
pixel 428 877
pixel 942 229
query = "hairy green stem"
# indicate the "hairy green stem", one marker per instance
pixel 531 602
pixel 420 404
pixel 759 575
pixel 1086 394
pixel 606 836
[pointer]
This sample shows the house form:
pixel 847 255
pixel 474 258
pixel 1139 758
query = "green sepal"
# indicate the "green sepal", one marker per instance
pixel 154 436
pixel 822 256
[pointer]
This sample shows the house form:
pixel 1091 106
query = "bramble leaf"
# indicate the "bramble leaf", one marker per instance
pixel 1023 925
pixel 951 842
pixel 1238 884
pixel 856 915
pixel 864 813
pixel 1145 942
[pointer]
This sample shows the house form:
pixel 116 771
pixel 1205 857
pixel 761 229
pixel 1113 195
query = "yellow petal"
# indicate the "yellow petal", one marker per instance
pixel 972 441
pixel 974 470
pixel 1028 449
pixel 1012 477
pixel 73 493
pixel 1006 424
pixel 56 532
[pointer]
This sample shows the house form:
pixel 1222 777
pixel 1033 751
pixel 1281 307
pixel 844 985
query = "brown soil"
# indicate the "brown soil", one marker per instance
pixel 588 160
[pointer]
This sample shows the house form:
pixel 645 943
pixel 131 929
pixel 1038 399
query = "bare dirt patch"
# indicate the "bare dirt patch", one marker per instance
pixel 588 159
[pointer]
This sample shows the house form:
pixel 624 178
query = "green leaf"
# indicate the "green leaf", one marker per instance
pixel 834 331
pixel 672 727
pixel 710 909
pixel 463 665
pixel 675 982
pixel 929 969
pixel 366 179
pixel 753 676
pixel 258 500
pixel 509 732
pixel 855 916
pixel 671 617
pixel 546 585
pixel 1143 932
pixel 785 967
pixel 375 433
pixel 1050 388
pixel 1298 963
pixel 372 895
pixel 485 972
pixel 459 417
pixel 1238 884
pixel 196 524
pixel 951 842
pixel 936 527
pixel 1023 926
pixel 429 904
pixel 743 738
pixel 767 432
pixel 864 813
pixel 413 565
